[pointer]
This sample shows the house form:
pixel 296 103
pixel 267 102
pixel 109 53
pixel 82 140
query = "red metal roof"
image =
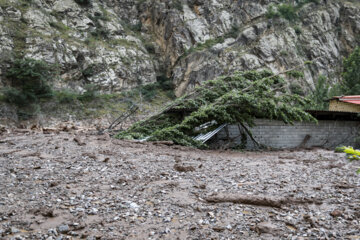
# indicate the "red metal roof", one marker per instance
pixel 349 99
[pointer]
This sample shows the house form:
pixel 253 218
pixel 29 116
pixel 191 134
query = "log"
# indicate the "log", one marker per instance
pixel 258 200
pixel 245 199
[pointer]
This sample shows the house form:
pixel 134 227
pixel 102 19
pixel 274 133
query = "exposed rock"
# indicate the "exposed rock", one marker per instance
pixel 108 42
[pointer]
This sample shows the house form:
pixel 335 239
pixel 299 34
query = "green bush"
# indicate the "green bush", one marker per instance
pixel 91 92
pixel 66 96
pixel 15 96
pixel 298 30
pixel 29 80
pixel 148 91
pixel 295 74
pixel 288 12
pixel 271 13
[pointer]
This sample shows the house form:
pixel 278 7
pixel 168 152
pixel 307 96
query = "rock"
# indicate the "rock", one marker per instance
pixel 79 141
pixel 336 213
pixel 134 206
pixel 14 230
pixel 93 211
pixel 124 44
pixel 267 227
pixel 182 168
pixel 64 229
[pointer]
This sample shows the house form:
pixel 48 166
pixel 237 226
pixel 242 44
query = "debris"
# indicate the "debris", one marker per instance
pixel 336 213
pixel 181 168
pixel 79 142
pixel 266 227
pixel 257 200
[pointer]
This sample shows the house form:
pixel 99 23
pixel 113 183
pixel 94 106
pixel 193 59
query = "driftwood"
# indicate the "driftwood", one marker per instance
pixel 258 200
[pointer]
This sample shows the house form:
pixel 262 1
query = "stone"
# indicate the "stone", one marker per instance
pixel 267 227
pixel 64 229
pixel 336 213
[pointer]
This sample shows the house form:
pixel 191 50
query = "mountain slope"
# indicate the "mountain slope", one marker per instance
pixel 119 45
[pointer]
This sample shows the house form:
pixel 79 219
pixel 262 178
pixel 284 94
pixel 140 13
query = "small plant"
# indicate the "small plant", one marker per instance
pixel 66 96
pixel 351 154
pixel 135 27
pixel 99 32
pixel 148 91
pixel 296 89
pixel 272 13
pixel 150 48
pixel 233 33
pixel 15 96
pixel 288 12
pixel 298 30
pixel 295 74
pixel 89 71
pixel 89 94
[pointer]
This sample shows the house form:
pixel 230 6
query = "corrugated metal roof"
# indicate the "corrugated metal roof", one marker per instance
pixel 355 99
pixel 205 137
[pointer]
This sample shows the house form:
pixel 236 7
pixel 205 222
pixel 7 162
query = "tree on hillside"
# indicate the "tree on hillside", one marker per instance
pixel 351 73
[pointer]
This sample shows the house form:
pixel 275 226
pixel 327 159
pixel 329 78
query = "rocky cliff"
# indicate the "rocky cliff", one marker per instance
pixel 118 45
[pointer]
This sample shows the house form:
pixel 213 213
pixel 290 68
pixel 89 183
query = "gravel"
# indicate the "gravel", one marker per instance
pixel 55 187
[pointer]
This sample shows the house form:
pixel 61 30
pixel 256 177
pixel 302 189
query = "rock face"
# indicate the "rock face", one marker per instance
pixel 119 45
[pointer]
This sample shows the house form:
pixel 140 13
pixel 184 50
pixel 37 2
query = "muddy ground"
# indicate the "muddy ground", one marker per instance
pixel 68 183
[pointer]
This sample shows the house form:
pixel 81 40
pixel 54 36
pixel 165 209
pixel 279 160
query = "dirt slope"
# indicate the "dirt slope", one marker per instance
pixel 76 184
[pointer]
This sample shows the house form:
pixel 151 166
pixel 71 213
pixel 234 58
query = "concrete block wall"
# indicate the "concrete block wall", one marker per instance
pixel 276 134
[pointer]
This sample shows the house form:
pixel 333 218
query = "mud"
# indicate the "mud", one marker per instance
pixel 71 183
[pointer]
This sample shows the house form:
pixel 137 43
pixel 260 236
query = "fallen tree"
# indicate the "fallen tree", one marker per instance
pixel 239 98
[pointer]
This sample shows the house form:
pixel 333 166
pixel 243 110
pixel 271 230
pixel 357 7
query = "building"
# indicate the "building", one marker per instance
pixel 333 129
pixel 345 104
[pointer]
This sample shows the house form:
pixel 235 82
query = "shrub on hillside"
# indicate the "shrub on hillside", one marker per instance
pixel 29 81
